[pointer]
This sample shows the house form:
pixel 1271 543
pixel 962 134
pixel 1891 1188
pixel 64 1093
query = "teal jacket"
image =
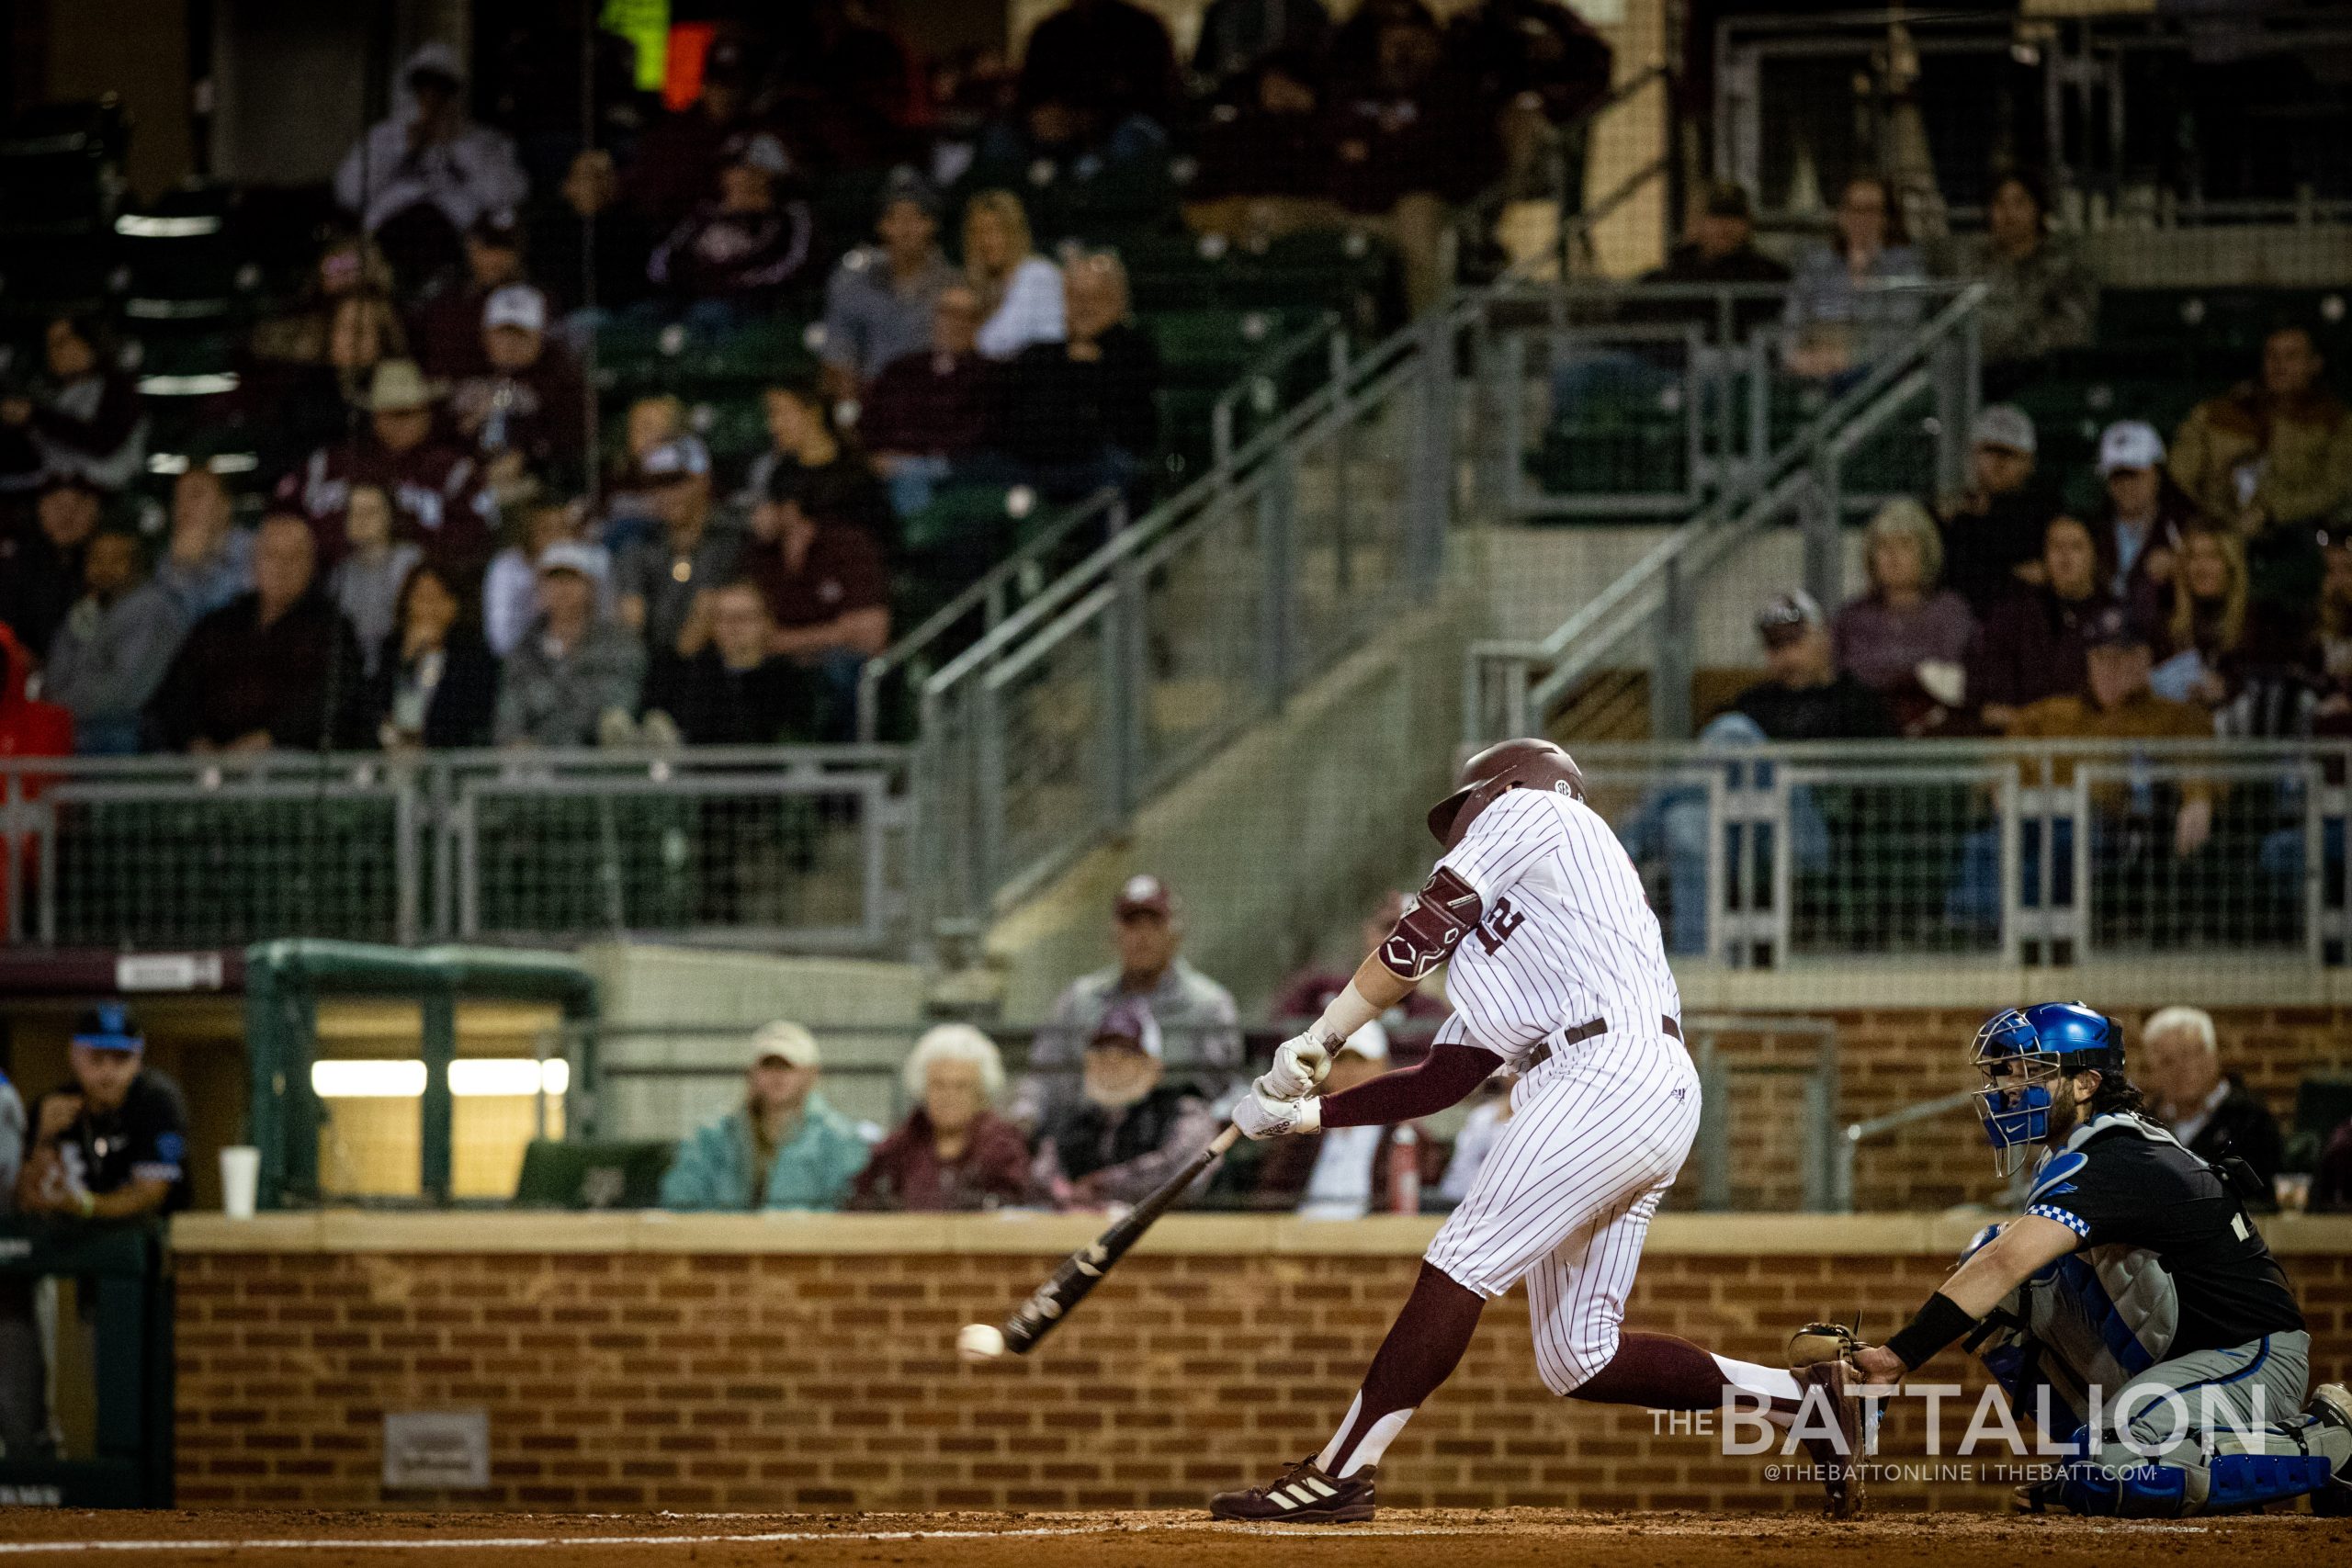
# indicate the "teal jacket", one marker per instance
pixel 713 1167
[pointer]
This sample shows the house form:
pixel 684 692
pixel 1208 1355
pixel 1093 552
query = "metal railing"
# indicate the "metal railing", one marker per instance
pixel 1856 1134
pixel 798 846
pixel 1640 623
pixel 1998 852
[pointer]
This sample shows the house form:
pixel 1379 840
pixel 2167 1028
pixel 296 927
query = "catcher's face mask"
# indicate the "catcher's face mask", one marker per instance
pixel 2020 1078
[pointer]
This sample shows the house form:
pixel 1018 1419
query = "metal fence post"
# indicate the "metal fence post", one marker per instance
pixel 1824 555
pixel 1715 1128
pixel 1125 683
pixel 435 1109
pixel 1430 481
pixel 1670 663
pixel 987 828
pixel 1278 589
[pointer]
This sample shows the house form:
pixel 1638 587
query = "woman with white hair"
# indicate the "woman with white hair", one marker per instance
pixel 952 1152
pixel 1906 637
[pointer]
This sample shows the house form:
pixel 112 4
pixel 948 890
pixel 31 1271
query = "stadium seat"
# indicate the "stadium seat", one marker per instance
pixel 592 1175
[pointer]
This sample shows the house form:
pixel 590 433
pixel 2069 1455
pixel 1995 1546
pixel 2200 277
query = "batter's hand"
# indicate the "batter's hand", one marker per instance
pixel 1300 1064
pixel 1260 1115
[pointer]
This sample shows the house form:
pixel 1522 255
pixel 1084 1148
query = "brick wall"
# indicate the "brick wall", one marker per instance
pixel 1898 1056
pixel 718 1379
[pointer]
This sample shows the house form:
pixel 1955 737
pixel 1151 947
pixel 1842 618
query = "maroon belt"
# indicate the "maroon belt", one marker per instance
pixel 1584 1031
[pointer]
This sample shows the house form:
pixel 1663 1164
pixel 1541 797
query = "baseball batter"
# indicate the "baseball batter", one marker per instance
pixel 1556 971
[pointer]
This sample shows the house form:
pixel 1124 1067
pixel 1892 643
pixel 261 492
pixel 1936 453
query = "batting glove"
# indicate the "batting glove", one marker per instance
pixel 1261 1116
pixel 1300 1064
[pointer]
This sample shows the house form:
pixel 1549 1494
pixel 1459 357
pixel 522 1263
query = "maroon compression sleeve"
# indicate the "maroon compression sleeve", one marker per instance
pixel 1442 1078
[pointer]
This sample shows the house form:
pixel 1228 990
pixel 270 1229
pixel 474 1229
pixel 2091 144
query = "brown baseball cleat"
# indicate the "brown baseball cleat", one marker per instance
pixel 1301 1494
pixel 1839 1462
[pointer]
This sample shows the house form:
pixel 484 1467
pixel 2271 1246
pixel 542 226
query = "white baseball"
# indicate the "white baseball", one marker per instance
pixel 980 1342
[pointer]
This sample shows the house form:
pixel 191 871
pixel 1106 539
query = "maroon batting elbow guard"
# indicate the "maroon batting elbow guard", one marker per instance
pixel 1440 914
pixel 1939 1324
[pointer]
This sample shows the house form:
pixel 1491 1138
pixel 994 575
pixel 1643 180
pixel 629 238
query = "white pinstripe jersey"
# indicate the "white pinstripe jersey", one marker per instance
pixel 1566 935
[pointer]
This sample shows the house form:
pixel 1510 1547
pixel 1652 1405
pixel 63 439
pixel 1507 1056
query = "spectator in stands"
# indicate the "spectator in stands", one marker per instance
pixel 276 668
pixel 829 593
pixel 629 511
pixel 1237 36
pixel 112 1143
pixel 510 587
pixel 1907 636
pixel 2212 1113
pixel 447 333
pixel 1850 301
pixel 2031 644
pixel 1147 928
pixel 1304 995
pixel 952 1153
pixel 421 179
pixel 1130 1127
pixel 1807 697
pixel 1079 414
pixel 1265 157
pixel 437 683
pixel 878 303
pixel 109 655
pixel 438 496
pixel 1344 1173
pixel 2140 524
pixel 2115 704
pixel 1993 530
pixel 811 461
pixel 2205 629
pixel 295 406
pixel 1019 291
pixel 373 566
pixel 526 408
pixel 784 1147
pixel 662 580
pixel 677 164
pixel 23 1359
pixel 2042 295
pixel 42 566
pixel 208 561
pixel 575 676
pixel 82 415
pixel 2273 459
pixel 736 254
pixel 929 410
pixel 348 267
pixel 1408 143
pixel 2335 640
pixel 732 690
pixel 1721 249
pixel 590 252
pixel 1094 63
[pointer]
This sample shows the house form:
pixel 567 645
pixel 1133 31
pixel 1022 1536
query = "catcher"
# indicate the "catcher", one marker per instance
pixel 2132 1275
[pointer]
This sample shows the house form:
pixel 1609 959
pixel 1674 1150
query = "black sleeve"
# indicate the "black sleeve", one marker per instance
pixel 2097 1198
pixel 158 1128
pixel 175 711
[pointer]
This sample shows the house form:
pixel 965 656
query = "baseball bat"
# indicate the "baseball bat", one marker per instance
pixel 1083 1270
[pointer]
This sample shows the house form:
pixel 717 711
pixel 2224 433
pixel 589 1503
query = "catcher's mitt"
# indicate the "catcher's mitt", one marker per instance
pixel 1819 1342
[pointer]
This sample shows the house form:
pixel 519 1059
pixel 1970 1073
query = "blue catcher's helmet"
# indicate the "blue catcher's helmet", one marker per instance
pixel 2022 1053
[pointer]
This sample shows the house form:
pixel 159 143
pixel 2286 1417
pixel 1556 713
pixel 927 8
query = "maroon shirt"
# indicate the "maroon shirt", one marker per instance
pixel 841 572
pixel 930 403
pixel 907 1173
pixel 437 499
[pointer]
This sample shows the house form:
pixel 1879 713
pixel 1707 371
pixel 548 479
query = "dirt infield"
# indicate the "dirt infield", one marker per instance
pixel 1537 1538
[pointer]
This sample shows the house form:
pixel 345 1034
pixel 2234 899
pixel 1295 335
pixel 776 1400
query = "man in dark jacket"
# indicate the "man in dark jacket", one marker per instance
pixel 1721 249
pixel 1130 1130
pixel 2211 1111
pixel 276 668
pixel 1808 697
pixel 1079 414
pixel 1993 529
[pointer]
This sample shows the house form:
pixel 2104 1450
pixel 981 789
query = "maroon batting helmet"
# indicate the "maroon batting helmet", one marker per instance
pixel 1500 768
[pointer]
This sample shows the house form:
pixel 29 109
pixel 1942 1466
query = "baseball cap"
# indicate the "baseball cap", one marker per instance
pixel 396 387
pixel 761 152
pixel 2114 628
pixel 787 1043
pixel 109 1027
pixel 496 229
pixel 680 457
pixel 1786 616
pixel 2129 444
pixel 1728 199
pixel 1129 1023
pixel 566 554
pixel 1144 895
pixel 905 184
pixel 2002 424
pixel 516 305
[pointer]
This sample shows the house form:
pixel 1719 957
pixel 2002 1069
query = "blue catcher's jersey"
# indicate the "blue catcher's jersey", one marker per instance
pixel 2121 1180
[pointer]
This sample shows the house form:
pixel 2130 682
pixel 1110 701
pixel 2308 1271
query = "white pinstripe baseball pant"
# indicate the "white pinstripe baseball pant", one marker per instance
pixel 1563 1200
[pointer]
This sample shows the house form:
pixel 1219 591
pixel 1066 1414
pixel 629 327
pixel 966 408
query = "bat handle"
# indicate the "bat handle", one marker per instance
pixel 1225 1140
